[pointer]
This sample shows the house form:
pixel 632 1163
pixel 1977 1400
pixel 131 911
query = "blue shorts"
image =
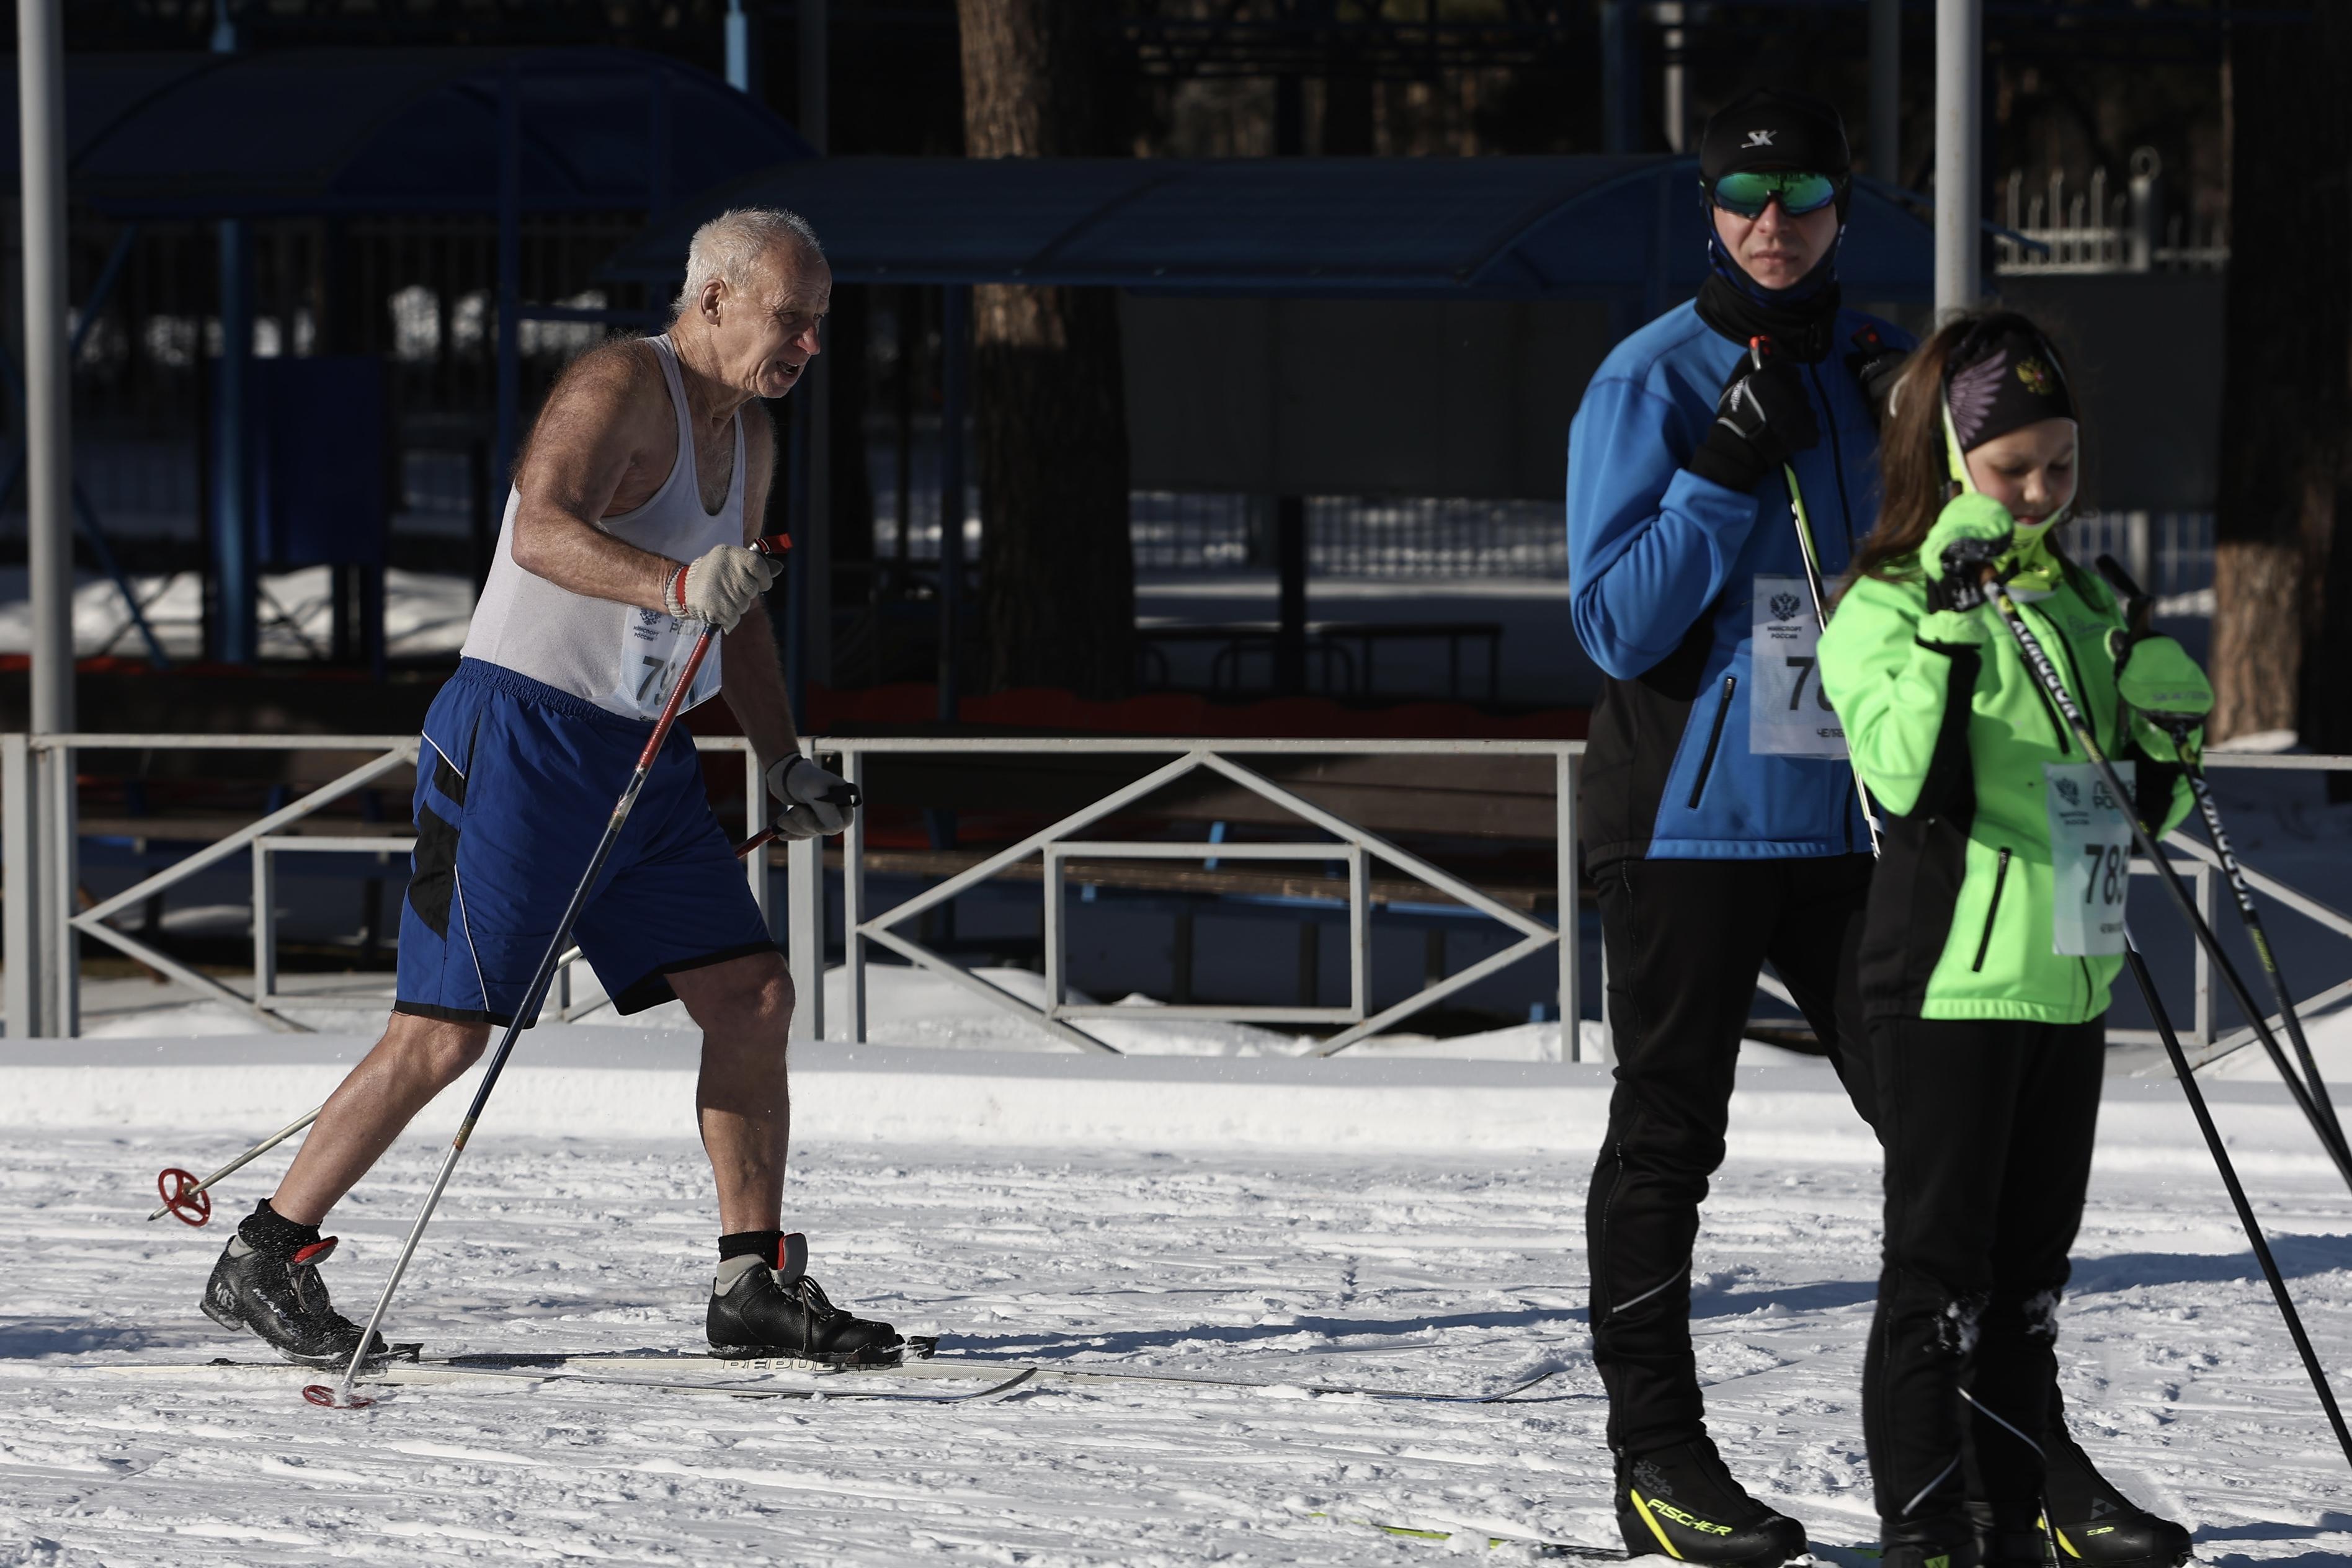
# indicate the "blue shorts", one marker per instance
pixel 515 784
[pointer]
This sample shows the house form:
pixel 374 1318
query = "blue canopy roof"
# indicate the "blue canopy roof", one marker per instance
pixel 1515 229
pixel 396 129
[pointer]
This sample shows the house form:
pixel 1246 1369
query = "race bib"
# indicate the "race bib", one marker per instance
pixel 654 650
pixel 2090 858
pixel 1788 713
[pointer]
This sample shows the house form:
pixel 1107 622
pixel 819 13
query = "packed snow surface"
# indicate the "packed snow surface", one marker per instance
pixel 1458 1272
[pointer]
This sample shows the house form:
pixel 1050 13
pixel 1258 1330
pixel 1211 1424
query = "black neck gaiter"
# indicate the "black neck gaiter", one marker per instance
pixel 1804 332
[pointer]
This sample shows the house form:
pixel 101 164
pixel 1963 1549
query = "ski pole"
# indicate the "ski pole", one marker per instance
pixel 186 1200
pixel 340 1397
pixel 2038 660
pixel 2178 726
pixel 2188 1077
pixel 1758 348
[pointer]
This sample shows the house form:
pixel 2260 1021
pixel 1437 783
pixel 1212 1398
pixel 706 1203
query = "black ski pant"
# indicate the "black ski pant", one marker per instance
pixel 1684 941
pixel 1988 1127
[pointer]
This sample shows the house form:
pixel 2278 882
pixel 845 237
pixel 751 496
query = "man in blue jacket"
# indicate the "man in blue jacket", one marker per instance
pixel 1720 822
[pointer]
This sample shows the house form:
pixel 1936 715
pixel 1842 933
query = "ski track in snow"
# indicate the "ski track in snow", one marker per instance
pixel 1395 1272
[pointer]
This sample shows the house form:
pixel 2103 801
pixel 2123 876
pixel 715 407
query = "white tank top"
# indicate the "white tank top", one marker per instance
pixel 621 658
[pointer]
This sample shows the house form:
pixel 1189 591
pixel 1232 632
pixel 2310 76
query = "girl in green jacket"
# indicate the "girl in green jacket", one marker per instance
pixel 1995 921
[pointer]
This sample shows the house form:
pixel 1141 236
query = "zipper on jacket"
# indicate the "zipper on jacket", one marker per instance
pixel 1714 739
pixel 1984 944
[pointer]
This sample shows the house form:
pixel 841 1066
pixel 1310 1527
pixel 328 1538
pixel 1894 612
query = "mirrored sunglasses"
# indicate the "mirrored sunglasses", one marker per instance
pixel 1750 191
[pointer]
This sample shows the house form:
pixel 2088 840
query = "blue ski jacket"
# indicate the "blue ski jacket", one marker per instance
pixel 1661 569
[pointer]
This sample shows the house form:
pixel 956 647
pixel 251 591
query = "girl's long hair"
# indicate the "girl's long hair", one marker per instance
pixel 1915 475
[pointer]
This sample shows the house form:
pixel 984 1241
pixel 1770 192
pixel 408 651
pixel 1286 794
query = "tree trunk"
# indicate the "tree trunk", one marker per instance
pixel 2287 369
pixel 1049 408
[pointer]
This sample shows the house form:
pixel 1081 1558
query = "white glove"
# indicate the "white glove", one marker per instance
pixel 719 586
pixel 815 801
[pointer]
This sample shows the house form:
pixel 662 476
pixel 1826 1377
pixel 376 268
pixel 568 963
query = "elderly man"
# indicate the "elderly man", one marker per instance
pixel 625 532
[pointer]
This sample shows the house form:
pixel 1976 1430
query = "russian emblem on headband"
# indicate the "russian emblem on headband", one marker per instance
pixel 2037 377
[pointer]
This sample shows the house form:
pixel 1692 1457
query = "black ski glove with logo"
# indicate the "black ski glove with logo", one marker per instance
pixel 1761 419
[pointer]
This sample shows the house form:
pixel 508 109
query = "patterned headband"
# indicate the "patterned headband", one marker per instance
pixel 2005 380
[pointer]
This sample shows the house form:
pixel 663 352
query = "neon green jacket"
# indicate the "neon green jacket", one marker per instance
pixel 1951 738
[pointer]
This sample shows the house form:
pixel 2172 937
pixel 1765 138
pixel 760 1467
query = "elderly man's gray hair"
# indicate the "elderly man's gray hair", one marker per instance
pixel 730 246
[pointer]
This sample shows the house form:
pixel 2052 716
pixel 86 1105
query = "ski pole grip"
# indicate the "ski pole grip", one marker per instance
pixel 775 545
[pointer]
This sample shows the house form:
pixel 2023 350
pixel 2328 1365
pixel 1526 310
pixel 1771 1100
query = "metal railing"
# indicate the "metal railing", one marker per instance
pixel 2104 230
pixel 1058 844
pixel 43 979
pixel 43 968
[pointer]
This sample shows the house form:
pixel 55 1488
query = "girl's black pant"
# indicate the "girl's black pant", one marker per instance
pixel 1987 1127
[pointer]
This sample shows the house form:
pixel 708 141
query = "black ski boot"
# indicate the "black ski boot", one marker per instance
pixel 759 1311
pixel 2097 1526
pixel 1682 1502
pixel 279 1296
pixel 2014 1535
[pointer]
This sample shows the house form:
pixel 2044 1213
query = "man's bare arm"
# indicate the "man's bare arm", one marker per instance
pixel 609 411
pixel 750 674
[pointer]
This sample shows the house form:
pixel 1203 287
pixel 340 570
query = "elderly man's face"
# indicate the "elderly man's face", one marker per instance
pixel 765 335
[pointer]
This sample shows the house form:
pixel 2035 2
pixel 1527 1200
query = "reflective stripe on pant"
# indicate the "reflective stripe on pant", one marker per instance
pixel 1685 940
pixel 1988 1127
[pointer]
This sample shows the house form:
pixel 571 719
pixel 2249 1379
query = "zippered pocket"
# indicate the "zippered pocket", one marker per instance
pixel 1714 739
pixel 1984 942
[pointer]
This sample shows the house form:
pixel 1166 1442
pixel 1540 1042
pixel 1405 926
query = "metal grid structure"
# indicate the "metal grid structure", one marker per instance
pixel 46 986
pixel 51 989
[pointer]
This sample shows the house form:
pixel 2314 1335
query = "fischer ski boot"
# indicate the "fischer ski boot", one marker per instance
pixel 760 1312
pixel 2097 1526
pixel 1681 1501
pixel 280 1297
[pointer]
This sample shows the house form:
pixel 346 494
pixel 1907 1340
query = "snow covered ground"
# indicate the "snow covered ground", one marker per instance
pixel 1395 1224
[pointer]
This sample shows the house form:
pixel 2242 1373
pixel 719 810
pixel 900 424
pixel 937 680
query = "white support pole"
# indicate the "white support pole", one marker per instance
pixel 19 888
pixel 58 824
pixel 804 935
pixel 40 97
pixel 1056 933
pixel 49 457
pixel 1359 933
pixel 1959 152
pixel 853 896
pixel 265 923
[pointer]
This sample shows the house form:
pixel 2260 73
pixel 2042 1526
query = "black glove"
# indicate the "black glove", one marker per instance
pixel 1874 366
pixel 1762 417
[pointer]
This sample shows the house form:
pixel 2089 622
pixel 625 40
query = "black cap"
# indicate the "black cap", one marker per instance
pixel 1773 128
